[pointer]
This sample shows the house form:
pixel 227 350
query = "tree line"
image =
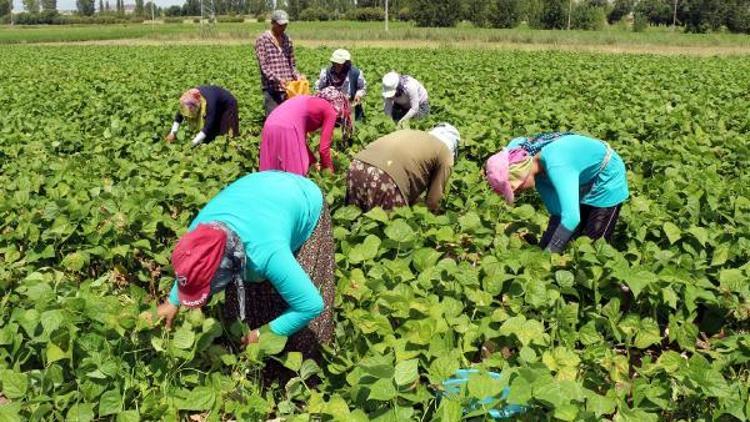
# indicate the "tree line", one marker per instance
pixel 692 15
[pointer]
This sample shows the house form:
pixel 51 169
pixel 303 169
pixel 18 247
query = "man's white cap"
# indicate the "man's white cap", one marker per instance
pixel 340 56
pixel 390 84
pixel 280 17
pixel 448 135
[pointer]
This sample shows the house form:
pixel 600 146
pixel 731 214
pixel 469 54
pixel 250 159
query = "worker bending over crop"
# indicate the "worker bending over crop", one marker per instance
pixel 404 98
pixel 345 77
pixel 266 240
pixel 398 168
pixel 581 180
pixel 211 108
pixel 284 138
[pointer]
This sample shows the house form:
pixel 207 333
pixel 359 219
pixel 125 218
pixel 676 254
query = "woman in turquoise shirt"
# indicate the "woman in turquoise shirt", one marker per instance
pixel 268 235
pixel 581 180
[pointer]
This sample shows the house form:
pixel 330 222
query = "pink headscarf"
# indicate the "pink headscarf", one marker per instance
pixel 195 259
pixel 502 169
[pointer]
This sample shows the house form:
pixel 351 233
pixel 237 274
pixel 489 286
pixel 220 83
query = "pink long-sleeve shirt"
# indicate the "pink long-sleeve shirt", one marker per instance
pixel 284 139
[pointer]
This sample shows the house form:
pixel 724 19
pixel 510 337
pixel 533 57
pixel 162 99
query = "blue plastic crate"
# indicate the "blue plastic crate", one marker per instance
pixel 452 386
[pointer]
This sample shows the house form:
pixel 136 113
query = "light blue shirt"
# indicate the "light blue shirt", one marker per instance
pixel 572 164
pixel 273 213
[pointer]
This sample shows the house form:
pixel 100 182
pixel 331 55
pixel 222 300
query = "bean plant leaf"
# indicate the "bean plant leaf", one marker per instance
pixel 110 403
pixel 399 231
pixel 382 390
pixel 406 372
pixel 672 231
pixel 14 384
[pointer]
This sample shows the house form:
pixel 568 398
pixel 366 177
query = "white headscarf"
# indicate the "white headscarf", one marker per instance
pixel 448 135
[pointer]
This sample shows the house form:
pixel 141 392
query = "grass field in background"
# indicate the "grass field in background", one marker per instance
pixel 371 31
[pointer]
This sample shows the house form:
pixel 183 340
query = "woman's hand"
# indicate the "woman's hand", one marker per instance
pixel 170 138
pixel 165 311
pixel 252 337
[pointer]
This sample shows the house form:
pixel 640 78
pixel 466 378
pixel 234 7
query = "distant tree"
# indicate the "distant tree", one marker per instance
pixel 49 5
pixel 531 11
pixel 504 13
pixel 657 12
pixel 139 10
pixel 738 16
pixel 705 15
pixel 191 8
pixel 475 11
pixel 173 10
pixel 101 6
pixel 551 14
pixel 588 16
pixel 295 7
pixel 151 10
pixel 4 7
pixel 620 9
pixel 436 13
pixel 106 6
pixel 596 3
pixel 31 6
pixel 85 7
pixel 256 7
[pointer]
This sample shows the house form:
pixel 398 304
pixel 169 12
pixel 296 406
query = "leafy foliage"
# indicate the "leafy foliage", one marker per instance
pixel 549 14
pixel 505 13
pixel 620 9
pixel 439 13
pixel 587 17
pixel 651 327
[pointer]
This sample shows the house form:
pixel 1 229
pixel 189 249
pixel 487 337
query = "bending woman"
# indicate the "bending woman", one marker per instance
pixel 211 108
pixel 284 138
pixel 266 239
pixel 581 180
pixel 395 170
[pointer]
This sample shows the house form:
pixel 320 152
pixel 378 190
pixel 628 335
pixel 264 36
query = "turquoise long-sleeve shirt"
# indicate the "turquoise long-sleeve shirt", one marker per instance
pixel 571 164
pixel 273 213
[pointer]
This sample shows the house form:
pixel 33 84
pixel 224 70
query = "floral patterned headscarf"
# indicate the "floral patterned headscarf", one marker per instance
pixel 341 104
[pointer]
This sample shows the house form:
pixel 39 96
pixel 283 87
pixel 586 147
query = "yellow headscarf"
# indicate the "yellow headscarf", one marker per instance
pixel 518 172
pixel 193 108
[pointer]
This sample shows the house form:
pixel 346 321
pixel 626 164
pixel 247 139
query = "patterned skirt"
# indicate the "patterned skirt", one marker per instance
pixel 368 187
pixel 263 303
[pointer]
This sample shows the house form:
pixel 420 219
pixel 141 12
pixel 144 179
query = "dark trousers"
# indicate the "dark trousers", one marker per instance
pixel 271 100
pixel 359 113
pixel 596 223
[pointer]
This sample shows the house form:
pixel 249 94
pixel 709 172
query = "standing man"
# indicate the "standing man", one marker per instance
pixel 275 53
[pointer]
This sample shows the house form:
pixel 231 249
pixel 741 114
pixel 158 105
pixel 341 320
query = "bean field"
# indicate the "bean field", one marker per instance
pixel 655 326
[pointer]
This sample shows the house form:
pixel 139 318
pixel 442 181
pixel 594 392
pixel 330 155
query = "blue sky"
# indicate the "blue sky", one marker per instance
pixel 71 4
